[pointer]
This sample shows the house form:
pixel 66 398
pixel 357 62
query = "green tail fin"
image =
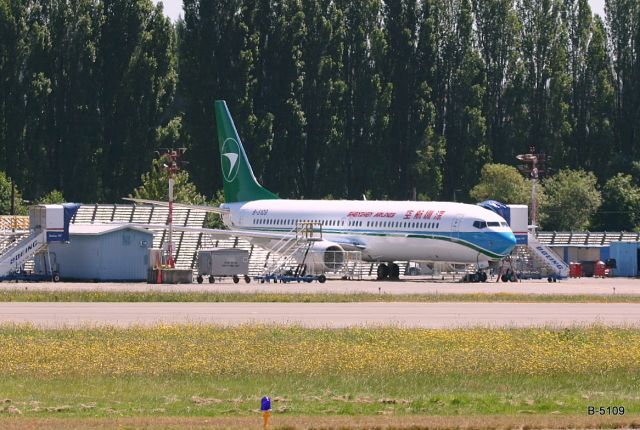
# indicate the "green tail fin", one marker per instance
pixel 240 184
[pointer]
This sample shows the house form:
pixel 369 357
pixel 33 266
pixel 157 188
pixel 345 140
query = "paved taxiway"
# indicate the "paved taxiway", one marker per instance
pixel 427 315
pixel 589 286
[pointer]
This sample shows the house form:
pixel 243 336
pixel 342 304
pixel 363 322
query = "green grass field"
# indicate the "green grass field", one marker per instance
pixel 198 396
pixel 120 296
pixel 205 371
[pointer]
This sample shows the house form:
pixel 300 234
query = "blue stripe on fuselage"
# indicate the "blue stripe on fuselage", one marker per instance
pixel 495 242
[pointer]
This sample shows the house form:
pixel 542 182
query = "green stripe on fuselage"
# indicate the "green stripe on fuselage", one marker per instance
pixel 398 234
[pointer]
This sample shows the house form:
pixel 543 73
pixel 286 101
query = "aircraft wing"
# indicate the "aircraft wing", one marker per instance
pixel 216 232
pixel 347 243
pixel 178 205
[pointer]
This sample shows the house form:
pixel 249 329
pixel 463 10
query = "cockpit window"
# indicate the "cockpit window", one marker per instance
pixel 493 224
pixel 504 224
pixel 480 224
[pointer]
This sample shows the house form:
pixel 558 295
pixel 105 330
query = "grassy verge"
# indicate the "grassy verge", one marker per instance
pixel 296 395
pixel 206 371
pixel 215 297
pixel 328 423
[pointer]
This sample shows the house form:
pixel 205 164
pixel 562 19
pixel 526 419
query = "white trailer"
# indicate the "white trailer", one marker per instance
pixel 220 262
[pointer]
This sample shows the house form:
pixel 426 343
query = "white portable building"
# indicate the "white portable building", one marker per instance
pixel 100 252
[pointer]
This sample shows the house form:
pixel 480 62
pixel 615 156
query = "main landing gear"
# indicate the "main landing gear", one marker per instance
pixel 479 276
pixel 390 271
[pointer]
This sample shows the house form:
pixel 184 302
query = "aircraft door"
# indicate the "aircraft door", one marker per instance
pixel 344 224
pixel 455 225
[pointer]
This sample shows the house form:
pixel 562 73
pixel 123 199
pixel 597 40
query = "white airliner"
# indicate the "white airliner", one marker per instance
pixel 384 231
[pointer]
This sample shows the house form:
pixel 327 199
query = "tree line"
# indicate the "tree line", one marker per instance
pixel 332 98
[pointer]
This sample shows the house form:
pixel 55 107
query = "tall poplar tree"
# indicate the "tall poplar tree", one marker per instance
pixel 546 82
pixel 497 29
pixel 623 20
pixel 137 69
pixel 459 92
pixel 211 40
pixel 366 99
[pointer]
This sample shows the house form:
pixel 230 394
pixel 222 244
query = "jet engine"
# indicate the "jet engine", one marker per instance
pixel 323 256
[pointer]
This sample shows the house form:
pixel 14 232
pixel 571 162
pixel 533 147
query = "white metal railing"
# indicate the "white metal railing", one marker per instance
pixel 17 256
pixel 300 239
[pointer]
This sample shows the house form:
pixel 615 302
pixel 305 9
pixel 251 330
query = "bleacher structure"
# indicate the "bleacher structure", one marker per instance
pixel 186 243
pixel 569 238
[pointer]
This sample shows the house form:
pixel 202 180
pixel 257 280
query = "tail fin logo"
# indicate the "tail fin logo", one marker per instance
pixel 230 159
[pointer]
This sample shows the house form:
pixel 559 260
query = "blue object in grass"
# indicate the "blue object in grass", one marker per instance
pixel 265 404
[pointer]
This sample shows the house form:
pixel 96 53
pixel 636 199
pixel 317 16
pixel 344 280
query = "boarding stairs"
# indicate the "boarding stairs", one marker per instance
pixel 292 250
pixel 548 257
pixel 538 259
pixel 9 240
pixel 16 256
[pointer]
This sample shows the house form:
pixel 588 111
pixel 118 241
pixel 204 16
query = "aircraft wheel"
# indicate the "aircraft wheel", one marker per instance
pixel 383 271
pixel 236 279
pixel 394 271
pixel 247 279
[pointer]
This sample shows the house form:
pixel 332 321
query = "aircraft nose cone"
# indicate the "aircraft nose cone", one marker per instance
pixel 508 242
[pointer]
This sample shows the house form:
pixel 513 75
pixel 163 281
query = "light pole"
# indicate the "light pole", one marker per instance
pixel 533 166
pixel 172 166
pixel 13 206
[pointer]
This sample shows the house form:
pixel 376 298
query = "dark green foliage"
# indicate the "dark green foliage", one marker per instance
pixel 503 183
pixel 571 199
pixel 620 210
pixel 623 21
pixel 84 85
pixel 5 198
pixel 54 196
pixel 155 186
pixel 137 71
pixel 388 98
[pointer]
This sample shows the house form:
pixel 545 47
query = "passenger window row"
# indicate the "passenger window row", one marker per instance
pixel 332 223
pixel 403 224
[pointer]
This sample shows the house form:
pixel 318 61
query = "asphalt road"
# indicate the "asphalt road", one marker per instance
pixel 427 315
pixel 413 285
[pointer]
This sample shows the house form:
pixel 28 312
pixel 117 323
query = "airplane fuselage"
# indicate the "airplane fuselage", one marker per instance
pixel 385 230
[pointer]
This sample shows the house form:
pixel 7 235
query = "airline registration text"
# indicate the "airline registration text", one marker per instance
pixel 260 212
